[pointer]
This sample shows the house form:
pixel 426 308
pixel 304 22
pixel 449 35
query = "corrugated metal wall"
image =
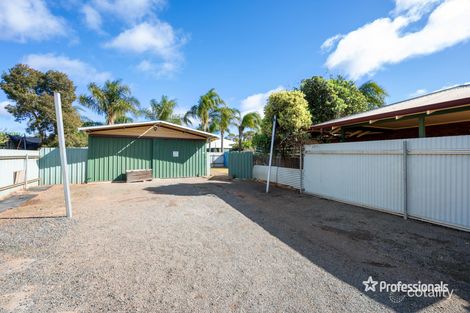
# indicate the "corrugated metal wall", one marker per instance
pixel 240 164
pixel 279 175
pixel 109 158
pixel 15 160
pixel 362 173
pixel 439 180
pixel 49 166
pixel 372 174
pixel 179 158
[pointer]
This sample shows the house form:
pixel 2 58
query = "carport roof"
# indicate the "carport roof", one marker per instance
pixel 183 129
pixel 429 104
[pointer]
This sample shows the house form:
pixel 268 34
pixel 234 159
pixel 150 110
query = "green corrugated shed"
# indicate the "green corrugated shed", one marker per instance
pixel 179 158
pixel 110 157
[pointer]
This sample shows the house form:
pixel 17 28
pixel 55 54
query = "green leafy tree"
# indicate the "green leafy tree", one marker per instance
pixel 374 93
pixel 114 100
pixel 338 97
pixel 163 111
pixel 206 106
pixel 293 117
pixel 261 142
pixel 3 138
pixel 249 121
pixel 33 94
pixel 221 119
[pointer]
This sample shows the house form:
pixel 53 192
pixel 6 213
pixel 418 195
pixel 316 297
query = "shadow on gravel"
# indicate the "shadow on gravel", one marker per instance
pixel 31 217
pixel 349 242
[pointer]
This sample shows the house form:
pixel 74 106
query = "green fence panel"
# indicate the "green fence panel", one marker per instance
pixel 49 166
pixel 179 158
pixel 109 158
pixel 240 165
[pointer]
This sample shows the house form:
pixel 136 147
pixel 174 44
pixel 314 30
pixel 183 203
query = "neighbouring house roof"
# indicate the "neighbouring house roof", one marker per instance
pixel 151 129
pixel 227 143
pixel 428 105
pixel 22 142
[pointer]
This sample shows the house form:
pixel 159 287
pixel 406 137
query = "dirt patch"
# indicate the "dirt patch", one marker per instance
pixel 39 203
pixel 352 234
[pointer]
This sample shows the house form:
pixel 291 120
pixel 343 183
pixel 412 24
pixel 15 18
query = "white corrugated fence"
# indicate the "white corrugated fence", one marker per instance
pixel 279 175
pixel 429 180
pixel 13 165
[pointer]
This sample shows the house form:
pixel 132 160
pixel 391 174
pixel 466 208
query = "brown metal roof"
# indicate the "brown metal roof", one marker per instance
pixel 439 100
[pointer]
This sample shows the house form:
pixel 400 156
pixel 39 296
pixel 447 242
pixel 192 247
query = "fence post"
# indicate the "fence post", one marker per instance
pixel 271 154
pixel 26 172
pixel 405 179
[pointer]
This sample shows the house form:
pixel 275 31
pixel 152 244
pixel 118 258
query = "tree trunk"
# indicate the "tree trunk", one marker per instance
pixel 110 119
pixel 240 133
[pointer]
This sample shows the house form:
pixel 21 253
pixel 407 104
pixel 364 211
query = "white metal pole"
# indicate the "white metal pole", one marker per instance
pixel 63 155
pixel 271 154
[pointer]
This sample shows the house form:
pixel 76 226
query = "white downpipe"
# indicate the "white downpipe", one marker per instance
pixel 271 154
pixel 63 155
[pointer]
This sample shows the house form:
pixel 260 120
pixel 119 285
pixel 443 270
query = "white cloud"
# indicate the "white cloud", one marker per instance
pixel 3 110
pixel 129 10
pixel 256 102
pixel 78 70
pixel 92 17
pixel 166 69
pixel 385 40
pixel 158 39
pixel 330 42
pixel 22 20
pixel 418 93
pixel 414 7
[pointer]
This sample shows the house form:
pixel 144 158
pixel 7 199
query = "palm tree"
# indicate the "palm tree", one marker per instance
pixel 222 118
pixel 114 100
pixel 162 110
pixel 374 93
pixel 123 120
pixel 206 106
pixel 250 120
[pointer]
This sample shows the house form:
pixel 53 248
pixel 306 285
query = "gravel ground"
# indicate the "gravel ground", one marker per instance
pixel 198 245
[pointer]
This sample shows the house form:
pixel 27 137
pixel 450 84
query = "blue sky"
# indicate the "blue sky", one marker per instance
pixel 245 49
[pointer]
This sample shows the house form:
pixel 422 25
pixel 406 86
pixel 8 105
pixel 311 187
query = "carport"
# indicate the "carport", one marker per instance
pixel 169 150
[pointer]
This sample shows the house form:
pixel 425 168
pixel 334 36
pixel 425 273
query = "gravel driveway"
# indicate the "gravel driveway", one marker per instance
pixel 198 245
